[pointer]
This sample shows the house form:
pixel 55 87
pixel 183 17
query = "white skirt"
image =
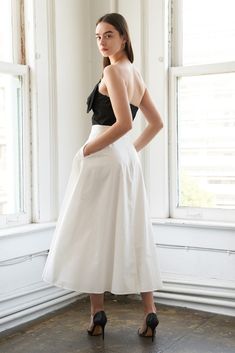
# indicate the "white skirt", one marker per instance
pixel 104 239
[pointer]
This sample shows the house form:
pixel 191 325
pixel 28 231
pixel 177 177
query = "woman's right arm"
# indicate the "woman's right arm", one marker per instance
pixel 155 123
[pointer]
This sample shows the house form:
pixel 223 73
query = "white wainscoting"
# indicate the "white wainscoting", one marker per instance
pixel 23 294
pixel 197 264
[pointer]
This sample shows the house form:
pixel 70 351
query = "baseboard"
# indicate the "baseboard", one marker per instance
pixel 218 306
pixel 206 296
pixel 200 295
pixel 23 309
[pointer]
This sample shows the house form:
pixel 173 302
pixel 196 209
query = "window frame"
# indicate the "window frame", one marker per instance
pixel 8 220
pixel 18 68
pixel 18 32
pixel 177 71
pixel 40 58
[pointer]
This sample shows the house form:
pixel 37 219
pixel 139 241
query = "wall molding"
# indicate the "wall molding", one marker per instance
pixel 18 259
pixel 213 305
pixel 206 296
pixel 32 302
pixel 195 248
pixel 209 297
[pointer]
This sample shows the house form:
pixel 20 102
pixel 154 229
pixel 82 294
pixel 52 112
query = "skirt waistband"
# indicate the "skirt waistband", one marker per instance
pixel 98 129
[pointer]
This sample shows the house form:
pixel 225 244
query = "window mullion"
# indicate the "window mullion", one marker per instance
pixel 177 32
pixel 18 31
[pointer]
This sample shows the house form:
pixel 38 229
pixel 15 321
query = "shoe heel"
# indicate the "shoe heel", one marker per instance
pixel 151 323
pixel 103 332
pixel 152 333
pixel 99 321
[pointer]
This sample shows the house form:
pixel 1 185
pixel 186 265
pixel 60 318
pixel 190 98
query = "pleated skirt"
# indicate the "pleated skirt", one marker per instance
pixel 104 240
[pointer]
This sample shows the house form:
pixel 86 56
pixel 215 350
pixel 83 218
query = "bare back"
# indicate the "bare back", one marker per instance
pixel 133 80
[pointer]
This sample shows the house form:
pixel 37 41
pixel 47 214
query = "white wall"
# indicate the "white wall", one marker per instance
pixel 73 80
pixel 197 261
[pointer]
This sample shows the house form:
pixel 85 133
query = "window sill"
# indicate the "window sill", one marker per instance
pixel 35 227
pixel 193 224
pixel 27 228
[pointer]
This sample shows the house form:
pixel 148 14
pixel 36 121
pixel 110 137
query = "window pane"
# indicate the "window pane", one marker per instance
pixel 208 31
pixel 11 189
pixel 206 141
pixel 5 31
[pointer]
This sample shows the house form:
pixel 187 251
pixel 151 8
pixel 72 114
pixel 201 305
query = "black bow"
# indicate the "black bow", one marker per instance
pixel 91 97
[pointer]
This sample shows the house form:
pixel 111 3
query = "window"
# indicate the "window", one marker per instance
pixel 14 118
pixel 202 110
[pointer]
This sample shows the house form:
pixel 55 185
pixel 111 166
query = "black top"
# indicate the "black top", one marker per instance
pixel 102 108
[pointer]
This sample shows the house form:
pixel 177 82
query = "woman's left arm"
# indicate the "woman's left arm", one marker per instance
pixel 155 123
pixel 117 91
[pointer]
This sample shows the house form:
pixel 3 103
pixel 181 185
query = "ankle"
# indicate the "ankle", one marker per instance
pixel 94 311
pixel 150 310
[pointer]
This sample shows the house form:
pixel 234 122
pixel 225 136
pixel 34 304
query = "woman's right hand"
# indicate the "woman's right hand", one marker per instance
pixel 84 150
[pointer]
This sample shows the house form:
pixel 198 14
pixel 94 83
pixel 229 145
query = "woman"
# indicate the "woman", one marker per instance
pixel 104 238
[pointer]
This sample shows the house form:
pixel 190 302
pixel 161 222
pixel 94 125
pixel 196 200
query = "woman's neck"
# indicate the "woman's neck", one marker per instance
pixel 118 58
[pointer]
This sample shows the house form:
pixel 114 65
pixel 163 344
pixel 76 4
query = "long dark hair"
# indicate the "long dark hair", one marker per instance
pixel 120 24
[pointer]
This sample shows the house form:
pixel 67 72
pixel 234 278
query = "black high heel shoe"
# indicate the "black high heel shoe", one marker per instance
pixel 151 324
pixel 99 322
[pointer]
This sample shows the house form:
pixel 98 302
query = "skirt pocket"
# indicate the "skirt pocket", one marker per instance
pixel 103 151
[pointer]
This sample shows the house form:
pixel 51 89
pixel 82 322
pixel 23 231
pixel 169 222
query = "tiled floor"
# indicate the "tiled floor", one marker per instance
pixel 180 331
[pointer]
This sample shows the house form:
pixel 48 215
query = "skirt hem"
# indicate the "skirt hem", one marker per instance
pixel 68 287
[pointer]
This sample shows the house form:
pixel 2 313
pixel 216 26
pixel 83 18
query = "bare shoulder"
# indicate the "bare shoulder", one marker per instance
pixel 113 78
pixel 112 71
